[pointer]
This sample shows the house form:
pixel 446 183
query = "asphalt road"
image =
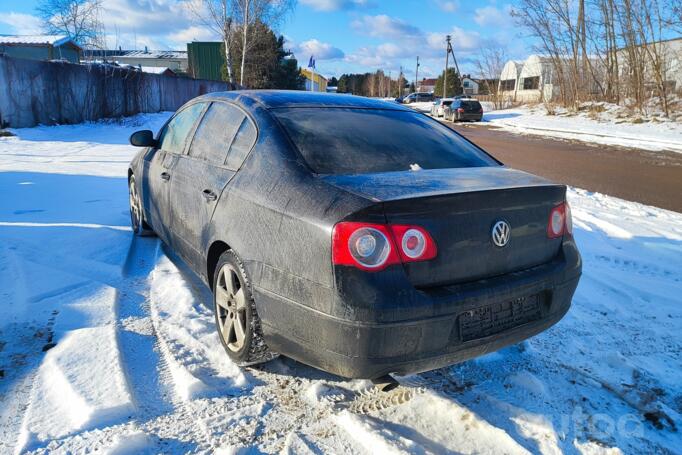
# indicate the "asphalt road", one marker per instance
pixel 653 178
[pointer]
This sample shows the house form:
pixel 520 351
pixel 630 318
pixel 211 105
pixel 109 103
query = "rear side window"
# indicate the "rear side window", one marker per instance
pixel 361 141
pixel 174 135
pixel 216 132
pixel 471 105
pixel 243 141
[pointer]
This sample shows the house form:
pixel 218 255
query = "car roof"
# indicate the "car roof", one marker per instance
pixel 273 99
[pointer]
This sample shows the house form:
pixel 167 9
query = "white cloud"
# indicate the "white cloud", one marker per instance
pixel 336 5
pixel 146 16
pixel 448 6
pixel 383 26
pixel 321 51
pixel 21 24
pixel 430 47
pixel 368 57
pixel 492 16
pixel 463 41
pixel 192 33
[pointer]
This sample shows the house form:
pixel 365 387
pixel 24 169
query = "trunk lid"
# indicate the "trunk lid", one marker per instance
pixel 459 208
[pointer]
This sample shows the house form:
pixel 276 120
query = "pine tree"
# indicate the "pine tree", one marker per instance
pixel 267 64
pixel 454 84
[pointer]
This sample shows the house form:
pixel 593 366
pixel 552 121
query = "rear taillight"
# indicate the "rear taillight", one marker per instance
pixel 415 244
pixel 459 109
pixel 560 221
pixel 375 246
pixel 569 219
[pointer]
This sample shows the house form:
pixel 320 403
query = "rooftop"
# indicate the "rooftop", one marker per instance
pixel 45 40
pixel 148 54
pixel 273 99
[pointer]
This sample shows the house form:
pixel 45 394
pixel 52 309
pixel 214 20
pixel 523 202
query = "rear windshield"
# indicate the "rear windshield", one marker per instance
pixel 363 141
pixel 447 103
pixel 471 105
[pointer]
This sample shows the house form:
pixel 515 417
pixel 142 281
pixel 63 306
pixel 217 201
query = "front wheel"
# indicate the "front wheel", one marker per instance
pixel 236 318
pixel 137 222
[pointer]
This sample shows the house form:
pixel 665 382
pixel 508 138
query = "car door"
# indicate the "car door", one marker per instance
pixel 221 141
pixel 158 167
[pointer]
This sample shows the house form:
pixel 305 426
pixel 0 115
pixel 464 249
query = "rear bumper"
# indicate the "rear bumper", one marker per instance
pixel 483 317
pixel 474 117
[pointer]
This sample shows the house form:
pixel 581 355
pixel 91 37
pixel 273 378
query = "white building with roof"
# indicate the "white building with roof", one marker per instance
pixel 469 86
pixel 174 60
pixel 531 80
pixel 671 54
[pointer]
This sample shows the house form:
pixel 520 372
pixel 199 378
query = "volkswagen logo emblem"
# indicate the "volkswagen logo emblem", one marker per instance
pixel 501 233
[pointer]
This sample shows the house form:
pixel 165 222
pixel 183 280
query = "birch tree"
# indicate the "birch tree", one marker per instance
pixel 250 12
pixel 219 17
pixel 490 62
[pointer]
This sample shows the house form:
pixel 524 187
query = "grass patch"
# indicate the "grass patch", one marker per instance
pixel 4 133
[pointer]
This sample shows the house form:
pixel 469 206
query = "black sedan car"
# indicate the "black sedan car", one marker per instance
pixel 353 235
pixel 464 109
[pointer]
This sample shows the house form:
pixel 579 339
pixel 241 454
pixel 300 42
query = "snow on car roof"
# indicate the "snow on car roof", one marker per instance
pixel 273 99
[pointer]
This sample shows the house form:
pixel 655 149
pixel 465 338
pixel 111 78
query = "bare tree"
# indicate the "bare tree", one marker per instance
pixel 219 17
pixel 78 19
pixel 490 62
pixel 250 12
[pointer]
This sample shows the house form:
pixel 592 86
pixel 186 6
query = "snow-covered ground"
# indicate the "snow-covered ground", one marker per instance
pixel 612 126
pixel 422 106
pixel 106 342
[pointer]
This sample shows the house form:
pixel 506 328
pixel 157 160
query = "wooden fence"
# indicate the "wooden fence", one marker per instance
pixel 38 92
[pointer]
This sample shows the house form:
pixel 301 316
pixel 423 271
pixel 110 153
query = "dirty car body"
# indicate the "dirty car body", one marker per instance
pixel 311 206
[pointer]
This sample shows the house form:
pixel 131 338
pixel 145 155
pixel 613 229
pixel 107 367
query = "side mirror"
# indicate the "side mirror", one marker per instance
pixel 144 138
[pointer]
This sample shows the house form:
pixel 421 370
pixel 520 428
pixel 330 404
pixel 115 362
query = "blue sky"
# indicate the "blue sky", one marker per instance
pixel 344 35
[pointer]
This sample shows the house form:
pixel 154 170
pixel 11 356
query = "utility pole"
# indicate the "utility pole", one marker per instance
pixel 416 75
pixel 449 51
pixel 445 74
pixel 400 82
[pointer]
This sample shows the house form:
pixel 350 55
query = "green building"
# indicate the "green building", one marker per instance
pixel 205 60
pixel 40 47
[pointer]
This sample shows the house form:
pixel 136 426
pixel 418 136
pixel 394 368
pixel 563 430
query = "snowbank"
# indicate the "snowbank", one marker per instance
pixel 607 126
pixel 107 345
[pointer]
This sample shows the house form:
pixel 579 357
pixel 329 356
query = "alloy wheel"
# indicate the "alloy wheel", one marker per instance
pixel 231 304
pixel 135 206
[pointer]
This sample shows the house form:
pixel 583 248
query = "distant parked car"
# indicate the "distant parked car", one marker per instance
pixel 351 234
pixel 418 98
pixel 462 109
pixel 438 108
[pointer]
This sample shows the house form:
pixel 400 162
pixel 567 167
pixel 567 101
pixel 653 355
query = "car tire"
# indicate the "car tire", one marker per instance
pixel 137 222
pixel 236 318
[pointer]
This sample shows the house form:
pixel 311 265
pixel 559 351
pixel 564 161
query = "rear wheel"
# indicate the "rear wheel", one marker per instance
pixel 137 222
pixel 236 318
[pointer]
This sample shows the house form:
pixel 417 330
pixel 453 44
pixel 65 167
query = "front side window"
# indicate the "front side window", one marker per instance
pixel 361 141
pixel 174 135
pixel 216 133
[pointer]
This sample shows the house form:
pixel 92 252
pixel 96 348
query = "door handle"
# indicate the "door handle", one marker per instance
pixel 165 176
pixel 209 195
